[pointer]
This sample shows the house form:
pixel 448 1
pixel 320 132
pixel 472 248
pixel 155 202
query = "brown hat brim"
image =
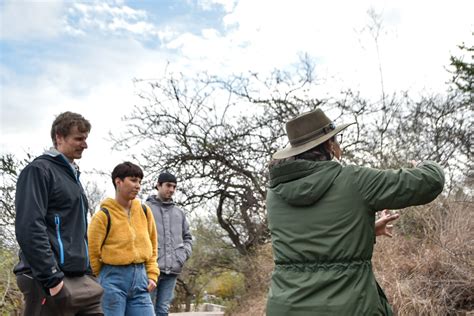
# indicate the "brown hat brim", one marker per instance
pixel 289 150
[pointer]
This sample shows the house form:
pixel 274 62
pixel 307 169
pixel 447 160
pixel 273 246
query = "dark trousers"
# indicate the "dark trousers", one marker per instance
pixel 79 296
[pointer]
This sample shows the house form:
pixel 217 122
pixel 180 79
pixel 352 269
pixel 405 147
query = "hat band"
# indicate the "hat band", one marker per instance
pixel 311 136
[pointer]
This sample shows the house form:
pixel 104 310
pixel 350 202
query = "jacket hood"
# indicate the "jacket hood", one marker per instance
pixel 303 182
pixel 115 208
pixel 57 158
pixel 155 199
pixel 111 204
pixel 53 157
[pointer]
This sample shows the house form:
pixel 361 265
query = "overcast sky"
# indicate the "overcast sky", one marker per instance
pixel 82 55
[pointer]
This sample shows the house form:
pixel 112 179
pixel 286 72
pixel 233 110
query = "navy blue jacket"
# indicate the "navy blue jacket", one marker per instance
pixel 51 221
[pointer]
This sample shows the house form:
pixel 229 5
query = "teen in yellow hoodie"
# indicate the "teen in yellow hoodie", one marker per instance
pixel 123 246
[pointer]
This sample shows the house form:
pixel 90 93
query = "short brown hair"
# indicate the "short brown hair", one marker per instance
pixel 63 124
pixel 126 169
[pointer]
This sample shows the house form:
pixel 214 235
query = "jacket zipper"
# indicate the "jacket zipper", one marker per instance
pixel 168 264
pixel 85 227
pixel 84 218
pixel 57 221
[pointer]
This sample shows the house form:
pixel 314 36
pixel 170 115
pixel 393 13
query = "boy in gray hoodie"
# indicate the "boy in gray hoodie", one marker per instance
pixel 174 240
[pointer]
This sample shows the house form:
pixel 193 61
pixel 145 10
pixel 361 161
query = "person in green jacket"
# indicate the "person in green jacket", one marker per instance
pixel 321 216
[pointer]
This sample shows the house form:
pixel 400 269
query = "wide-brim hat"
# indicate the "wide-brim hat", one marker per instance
pixel 307 131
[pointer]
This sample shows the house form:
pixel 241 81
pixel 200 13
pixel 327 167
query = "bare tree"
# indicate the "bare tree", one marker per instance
pixel 375 28
pixel 10 167
pixel 94 196
pixel 218 135
pixel 10 296
pixel 462 69
pixel 212 255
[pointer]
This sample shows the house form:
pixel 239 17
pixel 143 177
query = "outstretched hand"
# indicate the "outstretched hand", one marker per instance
pixel 381 225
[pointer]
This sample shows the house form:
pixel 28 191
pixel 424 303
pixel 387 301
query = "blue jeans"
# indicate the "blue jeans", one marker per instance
pixel 164 293
pixel 125 290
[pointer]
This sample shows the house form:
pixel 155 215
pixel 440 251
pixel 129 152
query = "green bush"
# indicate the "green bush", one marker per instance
pixel 10 297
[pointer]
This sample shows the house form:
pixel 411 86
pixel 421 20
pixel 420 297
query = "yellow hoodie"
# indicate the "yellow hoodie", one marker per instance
pixel 131 239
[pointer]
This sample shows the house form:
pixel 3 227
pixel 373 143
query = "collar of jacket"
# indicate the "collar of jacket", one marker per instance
pixel 156 199
pixel 57 157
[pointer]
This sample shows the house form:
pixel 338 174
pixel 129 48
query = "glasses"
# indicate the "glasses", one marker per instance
pixel 339 138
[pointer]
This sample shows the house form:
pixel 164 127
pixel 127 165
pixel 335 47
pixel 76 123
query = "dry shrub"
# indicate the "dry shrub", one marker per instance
pixel 257 269
pixel 427 268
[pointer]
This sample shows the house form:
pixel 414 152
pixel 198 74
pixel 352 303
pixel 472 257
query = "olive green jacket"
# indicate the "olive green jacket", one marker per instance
pixel 321 216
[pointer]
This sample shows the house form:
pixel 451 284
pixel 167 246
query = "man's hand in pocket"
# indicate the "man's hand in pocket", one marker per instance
pixel 55 290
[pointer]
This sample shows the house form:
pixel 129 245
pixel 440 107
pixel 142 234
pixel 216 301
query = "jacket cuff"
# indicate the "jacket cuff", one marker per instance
pixel 153 276
pixel 52 282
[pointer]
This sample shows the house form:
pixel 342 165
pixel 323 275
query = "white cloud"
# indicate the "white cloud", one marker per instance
pixel 414 43
pixel 22 20
pixel 227 5
pixel 111 19
pixel 94 80
pixel 94 77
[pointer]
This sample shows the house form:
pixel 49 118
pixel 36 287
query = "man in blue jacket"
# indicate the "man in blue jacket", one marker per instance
pixel 174 240
pixel 51 227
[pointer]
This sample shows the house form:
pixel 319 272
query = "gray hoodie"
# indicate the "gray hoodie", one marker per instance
pixel 174 237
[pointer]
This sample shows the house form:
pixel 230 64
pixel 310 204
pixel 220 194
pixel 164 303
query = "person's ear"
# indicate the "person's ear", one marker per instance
pixel 329 146
pixel 117 181
pixel 59 139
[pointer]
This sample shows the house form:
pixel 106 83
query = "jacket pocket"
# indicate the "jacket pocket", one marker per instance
pixel 62 300
pixel 57 223
pixel 180 254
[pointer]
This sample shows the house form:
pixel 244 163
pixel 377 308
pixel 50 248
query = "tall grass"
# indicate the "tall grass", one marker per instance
pixel 257 270
pixel 428 268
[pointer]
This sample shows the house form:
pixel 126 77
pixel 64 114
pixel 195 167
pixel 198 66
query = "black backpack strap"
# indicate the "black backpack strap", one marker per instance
pixel 106 211
pixel 146 215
